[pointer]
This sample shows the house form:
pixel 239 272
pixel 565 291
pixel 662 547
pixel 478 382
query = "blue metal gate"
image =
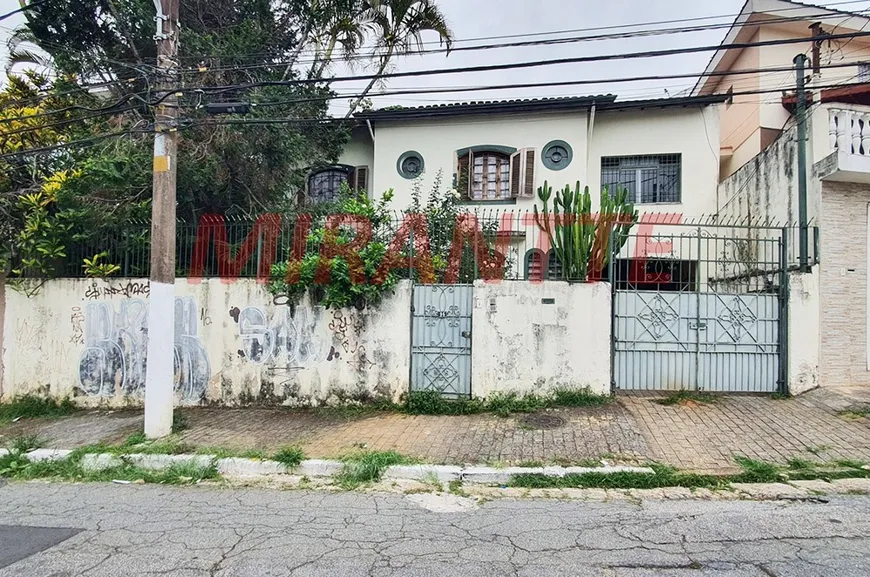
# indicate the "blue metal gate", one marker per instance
pixel 441 339
pixel 712 342
pixel 707 312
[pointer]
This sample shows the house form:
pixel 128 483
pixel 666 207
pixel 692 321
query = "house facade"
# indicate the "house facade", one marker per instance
pixel 761 169
pixel 496 155
pixel 752 120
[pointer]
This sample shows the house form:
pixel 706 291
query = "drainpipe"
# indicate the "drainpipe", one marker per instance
pixel 589 130
pixel 800 63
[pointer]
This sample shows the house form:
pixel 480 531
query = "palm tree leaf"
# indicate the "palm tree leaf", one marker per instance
pixel 26 56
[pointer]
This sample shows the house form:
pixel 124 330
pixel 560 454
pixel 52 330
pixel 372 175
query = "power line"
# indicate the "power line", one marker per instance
pixel 110 109
pixel 621 26
pixel 113 108
pixel 23 8
pixel 544 84
pixel 526 64
pixel 74 143
pixel 309 122
pixel 526 43
pixel 520 65
pixel 404 115
pixel 66 121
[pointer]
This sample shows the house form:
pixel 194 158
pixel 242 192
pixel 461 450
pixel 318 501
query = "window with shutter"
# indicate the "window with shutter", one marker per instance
pixel 535 265
pixel 516 174
pixel 528 190
pixel 554 267
pixel 360 178
pixel 460 179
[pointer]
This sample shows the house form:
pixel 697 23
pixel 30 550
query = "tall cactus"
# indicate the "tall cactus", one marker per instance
pixel 579 238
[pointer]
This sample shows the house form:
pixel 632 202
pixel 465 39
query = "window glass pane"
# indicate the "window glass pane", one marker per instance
pixel 628 181
pixel 505 181
pixel 325 186
pixel 669 183
pixel 477 178
pixel 648 184
pixel 554 267
pixel 490 177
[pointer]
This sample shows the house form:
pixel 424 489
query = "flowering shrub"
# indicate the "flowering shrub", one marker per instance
pixel 341 257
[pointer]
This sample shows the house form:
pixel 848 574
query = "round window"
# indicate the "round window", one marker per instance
pixel 557 155
pixel 410 165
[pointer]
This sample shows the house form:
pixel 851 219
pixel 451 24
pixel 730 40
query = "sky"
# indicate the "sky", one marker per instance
pixel 474 19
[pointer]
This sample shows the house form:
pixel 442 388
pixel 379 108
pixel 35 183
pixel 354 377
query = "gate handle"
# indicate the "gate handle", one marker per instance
pixel 466 334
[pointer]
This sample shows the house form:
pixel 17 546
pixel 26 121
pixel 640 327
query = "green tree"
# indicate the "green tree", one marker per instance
pixel 242 169
pixel 398 28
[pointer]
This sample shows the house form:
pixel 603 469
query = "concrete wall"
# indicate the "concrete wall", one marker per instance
pixel 804 353
pixel 765 189
pixel 233 344
pixel 535 337
pixel 843 278
pixel 359 151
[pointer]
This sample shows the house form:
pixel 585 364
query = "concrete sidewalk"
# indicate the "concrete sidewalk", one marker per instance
pixel 631 429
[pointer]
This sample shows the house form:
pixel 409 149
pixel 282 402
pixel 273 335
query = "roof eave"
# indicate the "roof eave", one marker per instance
pixel 476 109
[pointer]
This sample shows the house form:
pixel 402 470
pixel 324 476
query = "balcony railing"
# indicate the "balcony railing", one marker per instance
pixel 849 131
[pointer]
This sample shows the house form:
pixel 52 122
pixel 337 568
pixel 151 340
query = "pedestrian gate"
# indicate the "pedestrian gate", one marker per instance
pixel 706 316
pixel 441 339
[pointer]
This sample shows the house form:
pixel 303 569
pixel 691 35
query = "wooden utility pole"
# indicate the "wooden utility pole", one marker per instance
pixel 159 371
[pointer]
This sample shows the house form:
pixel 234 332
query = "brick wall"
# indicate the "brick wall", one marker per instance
pixel 844 284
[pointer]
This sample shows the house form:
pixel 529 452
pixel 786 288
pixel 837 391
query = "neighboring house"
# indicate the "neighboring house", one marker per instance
pixel 497 154
pixel 764 183
pixel 752 122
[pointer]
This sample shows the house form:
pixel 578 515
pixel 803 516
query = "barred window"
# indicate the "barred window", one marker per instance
pixel 648 179
pixel 325 185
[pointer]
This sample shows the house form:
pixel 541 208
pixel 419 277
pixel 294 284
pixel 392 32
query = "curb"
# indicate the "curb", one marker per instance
pixel 234 467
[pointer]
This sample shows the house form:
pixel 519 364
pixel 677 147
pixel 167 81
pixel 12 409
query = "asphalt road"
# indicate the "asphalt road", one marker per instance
pixel 197 532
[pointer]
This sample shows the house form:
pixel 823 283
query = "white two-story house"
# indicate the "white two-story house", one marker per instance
pixel 497 154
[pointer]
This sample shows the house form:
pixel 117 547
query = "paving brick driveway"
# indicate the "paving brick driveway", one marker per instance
pixel 703 437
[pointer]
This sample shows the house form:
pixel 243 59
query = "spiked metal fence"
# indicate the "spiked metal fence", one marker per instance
pixel 732 255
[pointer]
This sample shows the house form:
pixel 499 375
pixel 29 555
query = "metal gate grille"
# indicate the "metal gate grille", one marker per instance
pixel 441 339
pixel 701 309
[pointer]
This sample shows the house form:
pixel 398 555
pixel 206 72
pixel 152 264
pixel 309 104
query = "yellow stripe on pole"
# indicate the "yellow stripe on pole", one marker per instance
pixel 161 163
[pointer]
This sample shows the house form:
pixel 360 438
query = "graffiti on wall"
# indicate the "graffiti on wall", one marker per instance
pixel 290 337
pixel 345 330
pixel 116 346
pixel 293 339
pixel 128 290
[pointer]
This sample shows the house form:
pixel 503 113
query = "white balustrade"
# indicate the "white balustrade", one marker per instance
pixel 849 131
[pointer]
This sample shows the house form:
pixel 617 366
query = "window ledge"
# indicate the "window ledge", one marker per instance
pixel 677 203
pixel 486 202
